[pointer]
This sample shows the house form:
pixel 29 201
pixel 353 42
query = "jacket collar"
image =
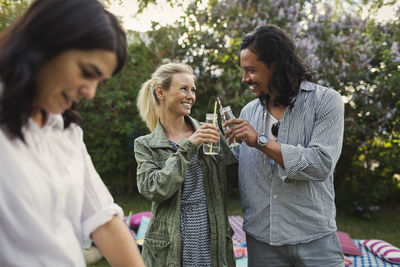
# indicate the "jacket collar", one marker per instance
pixel 159 138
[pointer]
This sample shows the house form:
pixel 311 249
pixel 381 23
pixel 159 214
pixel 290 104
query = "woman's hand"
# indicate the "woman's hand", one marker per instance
pixel 207 133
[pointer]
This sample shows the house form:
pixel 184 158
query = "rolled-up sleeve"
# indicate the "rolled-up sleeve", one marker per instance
pixel 98 205
pixel 317 160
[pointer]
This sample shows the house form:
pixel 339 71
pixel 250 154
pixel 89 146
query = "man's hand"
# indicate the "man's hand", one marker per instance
pixel 242 131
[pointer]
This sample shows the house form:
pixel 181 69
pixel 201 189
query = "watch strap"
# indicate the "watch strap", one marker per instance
pixel 260 143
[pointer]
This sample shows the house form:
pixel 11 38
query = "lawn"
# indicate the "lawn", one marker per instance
pixel 383 224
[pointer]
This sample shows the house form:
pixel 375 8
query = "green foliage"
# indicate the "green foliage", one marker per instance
pixel 112 122
pixel 10 10
pixel 369 162
pixel 358 57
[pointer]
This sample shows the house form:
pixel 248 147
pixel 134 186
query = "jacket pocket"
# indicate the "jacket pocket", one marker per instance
pixel 156 251
pixel 157 243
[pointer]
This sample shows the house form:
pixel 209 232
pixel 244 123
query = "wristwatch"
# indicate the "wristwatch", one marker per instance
pixel 262 140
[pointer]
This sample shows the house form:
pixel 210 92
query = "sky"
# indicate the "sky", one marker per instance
pixel 164 14
pixel 385 13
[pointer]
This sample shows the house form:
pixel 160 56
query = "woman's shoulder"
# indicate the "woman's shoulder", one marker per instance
pixel 74 131
pixel 144 139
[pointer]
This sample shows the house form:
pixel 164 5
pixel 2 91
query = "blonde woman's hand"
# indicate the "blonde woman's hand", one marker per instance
pixel 207 133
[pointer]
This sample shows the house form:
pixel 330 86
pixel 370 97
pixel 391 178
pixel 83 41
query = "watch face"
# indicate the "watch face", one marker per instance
pixel 263 139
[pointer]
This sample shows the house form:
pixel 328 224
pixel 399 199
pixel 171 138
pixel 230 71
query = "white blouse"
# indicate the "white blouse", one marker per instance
pixel 51 197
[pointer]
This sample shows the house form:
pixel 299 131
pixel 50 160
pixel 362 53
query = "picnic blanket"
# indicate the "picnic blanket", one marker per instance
pixel 367 259
pixel 239 240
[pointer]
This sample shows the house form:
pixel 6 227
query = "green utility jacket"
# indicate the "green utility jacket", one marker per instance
pixel 160 175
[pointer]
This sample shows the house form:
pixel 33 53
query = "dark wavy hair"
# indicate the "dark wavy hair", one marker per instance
pixel 48 28
pixel 275 48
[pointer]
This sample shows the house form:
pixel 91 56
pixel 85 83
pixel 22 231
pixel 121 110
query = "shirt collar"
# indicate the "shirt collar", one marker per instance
pixel 54 121
pixel 307 86
pixel 161 140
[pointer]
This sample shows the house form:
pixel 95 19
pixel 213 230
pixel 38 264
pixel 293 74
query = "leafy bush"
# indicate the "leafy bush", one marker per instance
pixel 357 56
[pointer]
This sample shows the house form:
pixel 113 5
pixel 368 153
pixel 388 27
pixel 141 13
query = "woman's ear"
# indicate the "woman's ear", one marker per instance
pixel 159 92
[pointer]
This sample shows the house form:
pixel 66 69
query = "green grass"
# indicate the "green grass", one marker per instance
pixel 382 225
pixel 134 204
pixel 101 263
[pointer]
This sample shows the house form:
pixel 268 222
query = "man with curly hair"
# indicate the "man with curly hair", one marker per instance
pixel 292 133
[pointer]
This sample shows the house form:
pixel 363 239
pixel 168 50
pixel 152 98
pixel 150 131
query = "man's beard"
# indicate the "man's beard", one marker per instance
pixel 264 98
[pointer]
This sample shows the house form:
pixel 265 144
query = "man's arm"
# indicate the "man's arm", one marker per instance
pixel 318 158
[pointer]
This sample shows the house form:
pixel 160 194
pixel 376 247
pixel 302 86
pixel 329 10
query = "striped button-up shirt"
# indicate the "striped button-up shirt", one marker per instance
pixel 294 204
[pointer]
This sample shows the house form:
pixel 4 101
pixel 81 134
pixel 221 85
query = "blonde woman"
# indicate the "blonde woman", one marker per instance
pixel 189 225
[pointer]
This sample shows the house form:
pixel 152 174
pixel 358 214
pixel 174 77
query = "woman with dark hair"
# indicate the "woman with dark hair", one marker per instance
pixel 51 197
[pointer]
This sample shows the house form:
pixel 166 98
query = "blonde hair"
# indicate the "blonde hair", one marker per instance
pixel 147 101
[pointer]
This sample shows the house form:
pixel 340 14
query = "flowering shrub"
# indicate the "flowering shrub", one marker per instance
pixel 359 57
